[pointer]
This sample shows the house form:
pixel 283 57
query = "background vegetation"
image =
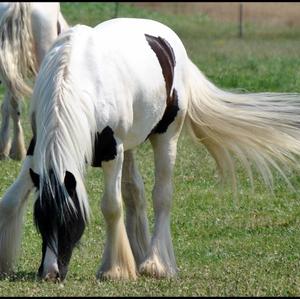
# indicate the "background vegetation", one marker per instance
pixel 248 246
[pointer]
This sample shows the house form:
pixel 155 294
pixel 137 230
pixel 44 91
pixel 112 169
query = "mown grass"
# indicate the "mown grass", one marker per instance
pixel 224 247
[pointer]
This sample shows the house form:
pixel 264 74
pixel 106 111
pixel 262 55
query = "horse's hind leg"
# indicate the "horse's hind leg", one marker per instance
pixel 118 260
pixel 12 208
pixel 18 149
pixel 160 259
pixel 136 215
pixel 4 131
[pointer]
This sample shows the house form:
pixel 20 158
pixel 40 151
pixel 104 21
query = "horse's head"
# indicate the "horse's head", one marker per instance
pixel 58 217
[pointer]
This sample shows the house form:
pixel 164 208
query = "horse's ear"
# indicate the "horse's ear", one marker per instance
pixel 70 183
pixel 35 178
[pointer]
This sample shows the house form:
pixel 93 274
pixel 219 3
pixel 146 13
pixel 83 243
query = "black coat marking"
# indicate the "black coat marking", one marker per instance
pixel 105 147
pixel 169 115
pixel 58 28
pixel 35 178
pixel 166 58
pixel 31 147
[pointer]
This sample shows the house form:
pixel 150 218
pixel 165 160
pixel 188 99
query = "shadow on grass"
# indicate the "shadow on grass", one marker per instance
pixel 20 276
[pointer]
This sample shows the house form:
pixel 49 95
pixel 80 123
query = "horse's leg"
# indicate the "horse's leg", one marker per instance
pixel 18 148
pixel 160 260
pixel 118 261
pixel 12 209
pixel 136 215
pixel 4 132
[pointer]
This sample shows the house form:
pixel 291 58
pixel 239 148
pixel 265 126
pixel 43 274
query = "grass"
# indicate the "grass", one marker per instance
pixel 223 246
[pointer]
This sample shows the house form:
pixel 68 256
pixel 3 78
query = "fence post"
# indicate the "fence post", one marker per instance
pixel 241 20
pixel 116 9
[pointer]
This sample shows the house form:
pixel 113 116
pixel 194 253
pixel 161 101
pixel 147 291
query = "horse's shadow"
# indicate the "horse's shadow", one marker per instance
pixel 20 276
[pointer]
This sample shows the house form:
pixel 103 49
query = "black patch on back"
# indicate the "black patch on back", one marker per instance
pixel 53 216
pixel 166 58
pixel 105 147
pixel 30 150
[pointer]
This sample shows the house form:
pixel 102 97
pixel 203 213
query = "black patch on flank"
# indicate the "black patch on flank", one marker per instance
pixel 105 147
pixel 52 216
pixel 169 115
pixel 166 58
pixel 31 147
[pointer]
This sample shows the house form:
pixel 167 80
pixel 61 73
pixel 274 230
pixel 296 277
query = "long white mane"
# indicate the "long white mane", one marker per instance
pixel 66 130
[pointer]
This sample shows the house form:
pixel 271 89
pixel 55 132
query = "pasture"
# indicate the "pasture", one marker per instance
pixel 225 246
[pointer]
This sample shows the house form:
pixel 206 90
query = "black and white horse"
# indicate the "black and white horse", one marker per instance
pixel 99 94
pixel 27 30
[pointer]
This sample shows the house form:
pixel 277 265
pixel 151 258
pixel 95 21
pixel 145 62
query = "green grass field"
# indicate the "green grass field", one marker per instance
pixel 248 246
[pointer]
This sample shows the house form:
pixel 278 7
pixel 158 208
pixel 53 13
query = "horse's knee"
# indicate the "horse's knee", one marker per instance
pixel 111 207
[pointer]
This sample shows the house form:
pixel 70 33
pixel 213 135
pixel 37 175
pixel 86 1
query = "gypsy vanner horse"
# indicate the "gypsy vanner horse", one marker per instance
pixel 27 30
pixel 101 92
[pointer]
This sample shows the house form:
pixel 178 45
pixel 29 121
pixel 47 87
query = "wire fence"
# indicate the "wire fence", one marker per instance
pixel 284 14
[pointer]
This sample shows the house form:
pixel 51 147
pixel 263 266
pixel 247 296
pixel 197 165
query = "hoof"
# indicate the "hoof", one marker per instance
pixel 116 274
pixel 52 277
pixel 154 268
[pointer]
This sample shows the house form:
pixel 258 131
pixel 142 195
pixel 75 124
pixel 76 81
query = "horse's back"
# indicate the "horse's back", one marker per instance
pixel 131 30
pixel 114 67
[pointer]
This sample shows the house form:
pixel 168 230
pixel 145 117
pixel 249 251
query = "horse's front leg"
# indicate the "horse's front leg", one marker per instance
pixel 4 131
pixel 12 208
pixel 118 261
pixel 18 148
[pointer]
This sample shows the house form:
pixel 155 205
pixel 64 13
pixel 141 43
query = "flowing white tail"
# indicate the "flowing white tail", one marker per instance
pixel 262 128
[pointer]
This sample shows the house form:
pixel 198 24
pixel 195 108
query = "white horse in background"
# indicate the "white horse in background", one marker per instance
pixel 100 93
pixel 27 30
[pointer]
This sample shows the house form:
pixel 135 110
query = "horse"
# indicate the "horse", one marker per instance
pixel 99 94
pixel 27 31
